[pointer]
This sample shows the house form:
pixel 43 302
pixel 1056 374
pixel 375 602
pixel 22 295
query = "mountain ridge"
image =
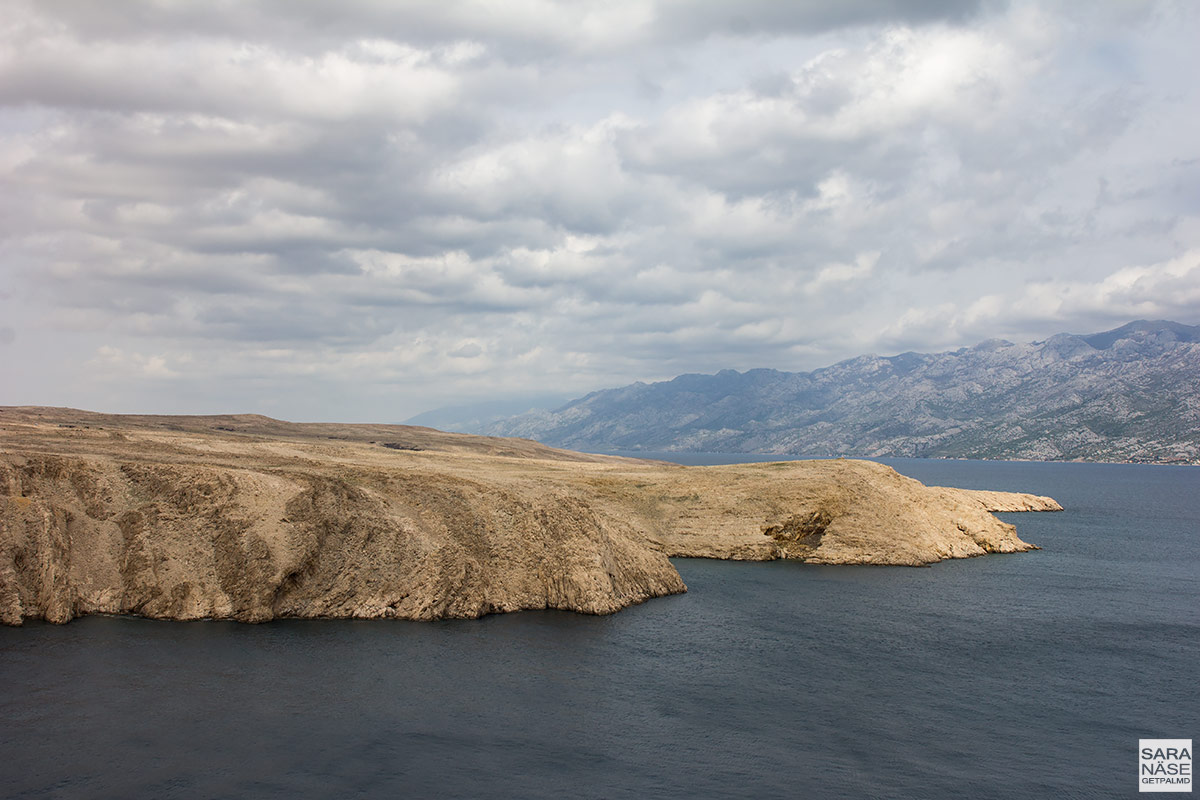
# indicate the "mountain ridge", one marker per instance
pixel 1128 394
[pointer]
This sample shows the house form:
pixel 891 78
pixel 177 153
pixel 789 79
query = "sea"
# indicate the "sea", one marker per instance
pixel 1032 675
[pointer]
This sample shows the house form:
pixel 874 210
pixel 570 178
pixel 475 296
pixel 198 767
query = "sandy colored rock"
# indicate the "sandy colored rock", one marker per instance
pixel 837 511
pixel 249 518
pixel 1009 501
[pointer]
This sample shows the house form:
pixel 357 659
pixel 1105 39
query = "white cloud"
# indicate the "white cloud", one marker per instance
pixel 114 364
pixel 835 274
pixel 1165 289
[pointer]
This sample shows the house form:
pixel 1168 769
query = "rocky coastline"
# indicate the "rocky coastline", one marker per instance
pixel 248 518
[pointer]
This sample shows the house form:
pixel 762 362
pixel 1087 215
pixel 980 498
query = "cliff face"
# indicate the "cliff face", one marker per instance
pixel 252 519
pixel 189 541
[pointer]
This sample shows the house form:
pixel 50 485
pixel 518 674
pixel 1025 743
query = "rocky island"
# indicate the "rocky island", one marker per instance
pixel 249 518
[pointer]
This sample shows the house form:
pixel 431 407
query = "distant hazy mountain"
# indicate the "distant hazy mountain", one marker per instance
pixel 475 417
pixel 1129 394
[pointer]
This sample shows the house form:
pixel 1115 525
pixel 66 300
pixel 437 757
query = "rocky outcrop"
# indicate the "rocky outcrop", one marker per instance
pixel 252 519
pixel 837 511
pixel 1008 501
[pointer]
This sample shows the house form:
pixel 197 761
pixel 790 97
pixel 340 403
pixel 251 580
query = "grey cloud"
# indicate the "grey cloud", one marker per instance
pixel 527 29
pixel 762 17
pixel 275 323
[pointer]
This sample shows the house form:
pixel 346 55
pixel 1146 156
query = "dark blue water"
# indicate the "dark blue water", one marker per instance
pixel 1023 676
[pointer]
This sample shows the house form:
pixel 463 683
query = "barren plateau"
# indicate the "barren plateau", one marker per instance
pixel 249 518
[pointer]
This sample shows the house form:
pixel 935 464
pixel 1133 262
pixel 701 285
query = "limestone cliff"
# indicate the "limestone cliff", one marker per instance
pixel 249 518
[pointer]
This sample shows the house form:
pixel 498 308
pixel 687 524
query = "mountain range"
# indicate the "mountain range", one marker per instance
pixel 1128 394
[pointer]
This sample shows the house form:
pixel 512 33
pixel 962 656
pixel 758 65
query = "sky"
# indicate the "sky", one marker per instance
pixel 363 210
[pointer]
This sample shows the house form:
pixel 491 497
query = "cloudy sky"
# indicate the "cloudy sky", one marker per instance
pixel 363 210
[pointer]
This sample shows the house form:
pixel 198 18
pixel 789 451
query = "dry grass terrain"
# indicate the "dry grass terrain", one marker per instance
pixel 251 518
